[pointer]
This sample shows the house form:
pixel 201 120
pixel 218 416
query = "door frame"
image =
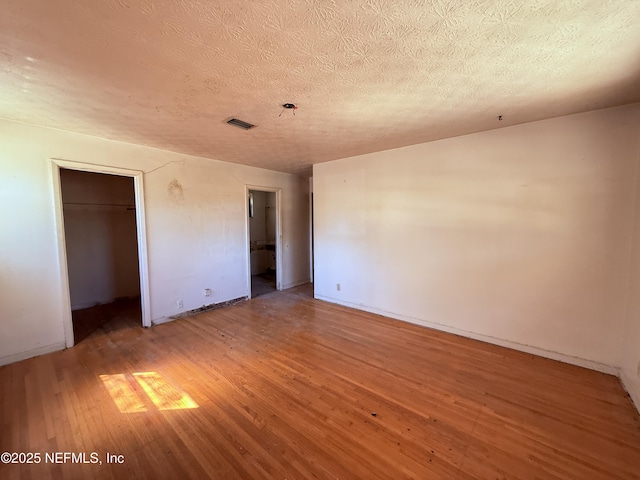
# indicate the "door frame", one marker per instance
pixel 143 266
pixel 278 192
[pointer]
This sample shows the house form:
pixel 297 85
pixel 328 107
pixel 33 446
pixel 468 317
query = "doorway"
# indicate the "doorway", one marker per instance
pixel 263 241
pixel 102 248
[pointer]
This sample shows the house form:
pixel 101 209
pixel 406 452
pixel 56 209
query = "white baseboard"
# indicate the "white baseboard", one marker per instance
pixel 16 357
pixel 161 320
pixel 580 362
pixel 295 284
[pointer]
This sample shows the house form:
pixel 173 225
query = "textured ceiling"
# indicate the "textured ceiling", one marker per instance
pixel 366 75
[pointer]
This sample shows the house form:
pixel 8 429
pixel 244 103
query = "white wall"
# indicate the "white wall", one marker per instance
pixel 270 225
pixel 196 230
pixel 257 223
pixel 270 216
pixel 520 236
pixel 101 237
pixel 263 223
pixel 258 229
pixel 630 367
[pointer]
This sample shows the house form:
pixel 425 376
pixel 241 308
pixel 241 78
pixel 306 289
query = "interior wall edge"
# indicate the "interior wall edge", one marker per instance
pixel 630 369
pixel 561 357
pixel 632 388
pixel 17 357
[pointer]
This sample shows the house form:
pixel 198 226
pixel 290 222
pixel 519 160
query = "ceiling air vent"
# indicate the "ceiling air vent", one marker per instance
pixel 239 123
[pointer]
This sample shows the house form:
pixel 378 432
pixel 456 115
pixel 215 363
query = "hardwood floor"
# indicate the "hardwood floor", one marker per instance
pixel 287 387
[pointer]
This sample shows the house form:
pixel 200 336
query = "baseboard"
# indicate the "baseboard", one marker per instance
pixel 161 320
pixel 83 305
pixel 295 284
pixel 632 387
pixel 195 311
pixel 580 362
pixel 17 357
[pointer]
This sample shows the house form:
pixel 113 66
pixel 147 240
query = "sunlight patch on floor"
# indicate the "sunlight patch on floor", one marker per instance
pixel 128 397
pixel 163 395
pixel 124 394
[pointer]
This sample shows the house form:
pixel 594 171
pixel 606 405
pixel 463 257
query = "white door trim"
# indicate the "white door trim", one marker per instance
pixel 143 266
pixel 278 192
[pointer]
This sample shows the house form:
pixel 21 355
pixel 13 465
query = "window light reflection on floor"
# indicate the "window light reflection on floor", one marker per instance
pixel 124 393
pixel 163 395
pixel 129 399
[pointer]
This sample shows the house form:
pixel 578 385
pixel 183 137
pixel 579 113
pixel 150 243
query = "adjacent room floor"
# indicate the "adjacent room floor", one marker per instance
pixel 288 387
pixel 263 283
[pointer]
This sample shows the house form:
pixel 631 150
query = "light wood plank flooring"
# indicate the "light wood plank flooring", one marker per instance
pixel 287 387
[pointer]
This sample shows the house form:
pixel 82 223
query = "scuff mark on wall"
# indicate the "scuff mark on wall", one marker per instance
pixel 175 191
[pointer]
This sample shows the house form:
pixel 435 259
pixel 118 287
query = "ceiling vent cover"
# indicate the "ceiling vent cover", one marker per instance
pixel 239 123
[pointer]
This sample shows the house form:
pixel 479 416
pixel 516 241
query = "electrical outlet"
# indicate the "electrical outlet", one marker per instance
pixel 337 286
pixel 179 303
pixel 207 292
